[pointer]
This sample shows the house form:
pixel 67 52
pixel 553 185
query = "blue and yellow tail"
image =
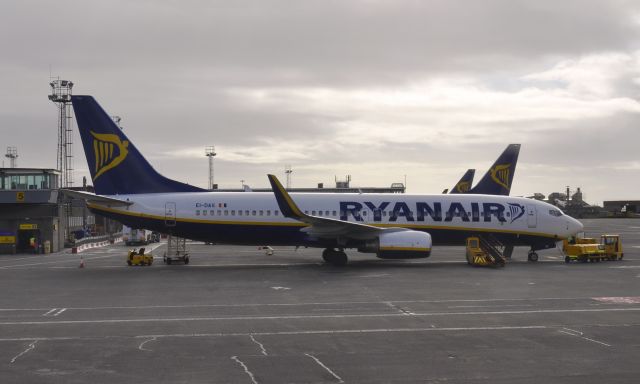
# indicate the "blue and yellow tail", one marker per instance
pixel 116 166
pixel 497 181
pixel 464 185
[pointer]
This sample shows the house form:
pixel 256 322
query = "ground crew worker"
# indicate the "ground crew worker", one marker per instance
pixel 32 243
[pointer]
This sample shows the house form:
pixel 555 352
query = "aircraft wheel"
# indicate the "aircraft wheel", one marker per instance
pixel 326 255
pixel 335 258
pixel 533 257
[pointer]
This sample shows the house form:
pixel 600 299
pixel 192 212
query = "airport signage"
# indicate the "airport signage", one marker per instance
pixel 7 239
pixel 28 226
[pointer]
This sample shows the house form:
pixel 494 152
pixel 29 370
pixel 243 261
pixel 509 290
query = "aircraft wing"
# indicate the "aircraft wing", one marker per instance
pixel 323 227
pixel 93 198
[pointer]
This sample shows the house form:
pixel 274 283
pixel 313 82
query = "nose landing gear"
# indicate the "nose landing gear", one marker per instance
pixel 532 256
pixel 336 258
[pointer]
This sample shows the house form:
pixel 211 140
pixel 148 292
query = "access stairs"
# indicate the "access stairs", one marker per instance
pixel 487 251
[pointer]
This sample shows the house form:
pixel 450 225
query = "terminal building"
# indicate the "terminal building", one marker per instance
pixel 34 217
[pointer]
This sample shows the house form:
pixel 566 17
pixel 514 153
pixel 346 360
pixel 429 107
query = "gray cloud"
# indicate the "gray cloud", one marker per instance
pixel 374 88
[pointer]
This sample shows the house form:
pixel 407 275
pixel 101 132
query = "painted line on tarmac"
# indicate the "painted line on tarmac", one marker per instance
pixel 303 317
pixel 383 303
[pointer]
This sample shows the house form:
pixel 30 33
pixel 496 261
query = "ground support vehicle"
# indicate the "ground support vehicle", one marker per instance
pixel 480 253
pixel 176 250
pixel 588 249
pixel 138 257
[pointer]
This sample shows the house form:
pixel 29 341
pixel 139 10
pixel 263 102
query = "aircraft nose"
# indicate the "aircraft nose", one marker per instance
pixel 574 226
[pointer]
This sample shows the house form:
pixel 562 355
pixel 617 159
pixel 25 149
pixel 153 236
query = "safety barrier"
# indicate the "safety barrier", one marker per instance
pixel 95 242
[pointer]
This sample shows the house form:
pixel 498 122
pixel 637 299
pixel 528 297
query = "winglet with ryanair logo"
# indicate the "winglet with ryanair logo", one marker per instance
pixel 109 151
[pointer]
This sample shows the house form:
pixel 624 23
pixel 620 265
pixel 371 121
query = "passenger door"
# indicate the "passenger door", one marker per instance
pixel 532 216
pixel 170 214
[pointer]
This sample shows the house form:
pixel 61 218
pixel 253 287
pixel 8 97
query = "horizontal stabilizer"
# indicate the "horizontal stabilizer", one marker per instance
pixel 93 198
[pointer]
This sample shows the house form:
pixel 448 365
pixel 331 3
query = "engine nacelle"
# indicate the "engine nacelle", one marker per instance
pixel 400 245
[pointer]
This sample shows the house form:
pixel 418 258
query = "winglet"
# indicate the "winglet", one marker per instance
pixel 285 202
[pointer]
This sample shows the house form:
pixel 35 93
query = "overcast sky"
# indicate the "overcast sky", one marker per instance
pixel 374 89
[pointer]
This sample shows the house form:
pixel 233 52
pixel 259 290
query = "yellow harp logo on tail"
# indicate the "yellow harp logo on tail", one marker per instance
pixel 109 151
pixel 463 187
pixel 500 174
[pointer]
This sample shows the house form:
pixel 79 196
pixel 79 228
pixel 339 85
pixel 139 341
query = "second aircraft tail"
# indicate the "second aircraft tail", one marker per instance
pixel 497 181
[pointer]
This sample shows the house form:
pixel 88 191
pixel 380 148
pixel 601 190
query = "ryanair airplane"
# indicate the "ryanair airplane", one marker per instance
pixel 391 226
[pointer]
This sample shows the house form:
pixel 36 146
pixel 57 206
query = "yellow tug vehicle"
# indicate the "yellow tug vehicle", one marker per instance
pixel 588 249
pixel 138 257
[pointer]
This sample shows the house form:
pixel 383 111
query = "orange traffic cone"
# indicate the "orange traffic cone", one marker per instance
pixel 81 263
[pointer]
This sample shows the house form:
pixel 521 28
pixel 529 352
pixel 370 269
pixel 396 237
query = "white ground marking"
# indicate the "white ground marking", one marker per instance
pixel 326 368
pixel 263 350
pixel 399 309
pixel 626 267
pixel 376 275
pixel 573 332
pixel 245 305
pixel 335 316
pixel 281 288
pixel 59 312
pixel 246 370
pixel 50 312
pixel 30 347
pixel 141 346
pixel 619 300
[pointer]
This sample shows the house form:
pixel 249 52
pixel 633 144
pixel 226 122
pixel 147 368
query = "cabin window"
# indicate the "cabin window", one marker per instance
pixel 275 213
pixel 239 213
pixel 226 212
pixel 253 213
pixel 306 212
pixel 334 213
pixel 197 212
pixel 364 213
pixel 268 213
pixel 204 212
pixel 246 212
pixel 384 213
pixel 233 212
pixel 313 213
pixel 211 212
pixel 219 212
pixel 261 213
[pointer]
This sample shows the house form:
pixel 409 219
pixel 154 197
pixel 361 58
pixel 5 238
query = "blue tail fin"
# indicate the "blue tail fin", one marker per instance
pixel 464 185
pixel 116 165
pixel 497 181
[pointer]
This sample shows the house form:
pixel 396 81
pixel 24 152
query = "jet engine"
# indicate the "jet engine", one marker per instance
pixel 399 245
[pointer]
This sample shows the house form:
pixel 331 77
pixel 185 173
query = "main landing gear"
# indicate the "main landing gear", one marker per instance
pixel 532 256
pixel 333 257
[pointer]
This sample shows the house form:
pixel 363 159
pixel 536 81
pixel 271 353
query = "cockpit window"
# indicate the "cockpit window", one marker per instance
pixel 555 212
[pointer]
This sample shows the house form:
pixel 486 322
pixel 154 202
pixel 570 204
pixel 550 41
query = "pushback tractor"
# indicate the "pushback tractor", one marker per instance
pixel 588 249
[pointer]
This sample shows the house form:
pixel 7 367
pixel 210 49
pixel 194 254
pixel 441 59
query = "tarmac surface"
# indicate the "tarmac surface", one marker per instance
pixel 235 315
